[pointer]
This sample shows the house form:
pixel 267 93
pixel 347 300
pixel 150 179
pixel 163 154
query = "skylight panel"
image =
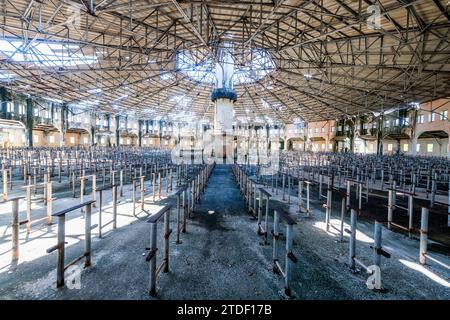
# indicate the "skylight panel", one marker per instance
pixel 45 54
pixel 6 77
pixel 181 100
pixel 95 91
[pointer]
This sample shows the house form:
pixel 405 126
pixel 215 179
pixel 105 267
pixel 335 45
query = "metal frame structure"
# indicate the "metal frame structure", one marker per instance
pixel 329 61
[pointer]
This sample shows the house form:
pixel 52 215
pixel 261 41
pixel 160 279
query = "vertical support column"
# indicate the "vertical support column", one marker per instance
pixel 140 126
pixel 64 124
pixel 117 130
pixel 4 102
pixel 30 121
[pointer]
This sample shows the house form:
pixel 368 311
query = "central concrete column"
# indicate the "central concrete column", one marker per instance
pixel 414 146
pixel 224 97
pixel 448 152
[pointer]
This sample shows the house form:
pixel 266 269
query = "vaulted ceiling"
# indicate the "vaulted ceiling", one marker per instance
pixel 332 57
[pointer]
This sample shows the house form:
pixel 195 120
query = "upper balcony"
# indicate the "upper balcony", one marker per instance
pixel 397 132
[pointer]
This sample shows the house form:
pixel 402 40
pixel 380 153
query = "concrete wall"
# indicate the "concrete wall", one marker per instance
pixel 46 139
pixel 13 138
pixel 129 141
pixel 297 144
pixel 77 139
pixel 365 146
pixel 320 146
pixel 150 142
pixel 320 135
pixel 440 146
pixel 432 147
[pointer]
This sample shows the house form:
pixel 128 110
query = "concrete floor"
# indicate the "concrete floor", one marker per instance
pixel 221 257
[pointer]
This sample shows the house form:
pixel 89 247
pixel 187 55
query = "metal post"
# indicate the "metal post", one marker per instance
pixel 49 203
pixel 154 185
pixel 320 186
pixel 276 222
pixel 153 231
pixel 5 185
pixel 166 240
pixel 328 210
pixel 178 218
pixel 352 239
pixel 121 182
pixel 100 215
pixel 259 212
pixel 433 191
pixel 377 244
pixel 424 236
pixel 114 190
pixel 159 185
pixel 343 209
pixel 266 220
pixel 133 195
pixel 410 214
pixel 87 232
pixel 188 190
pixel 94 190
pixel 142 193
pixel 28 199
pixel 289 262
pixel 61 251
pixel 254 199
pixel 360 195
pixel 390 208
pixel 307 200
pixel 184 210
pixel 15 229
pixel 300 197
pixel 348 194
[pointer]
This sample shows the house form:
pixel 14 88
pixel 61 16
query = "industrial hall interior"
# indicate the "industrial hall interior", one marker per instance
pixel 224 150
